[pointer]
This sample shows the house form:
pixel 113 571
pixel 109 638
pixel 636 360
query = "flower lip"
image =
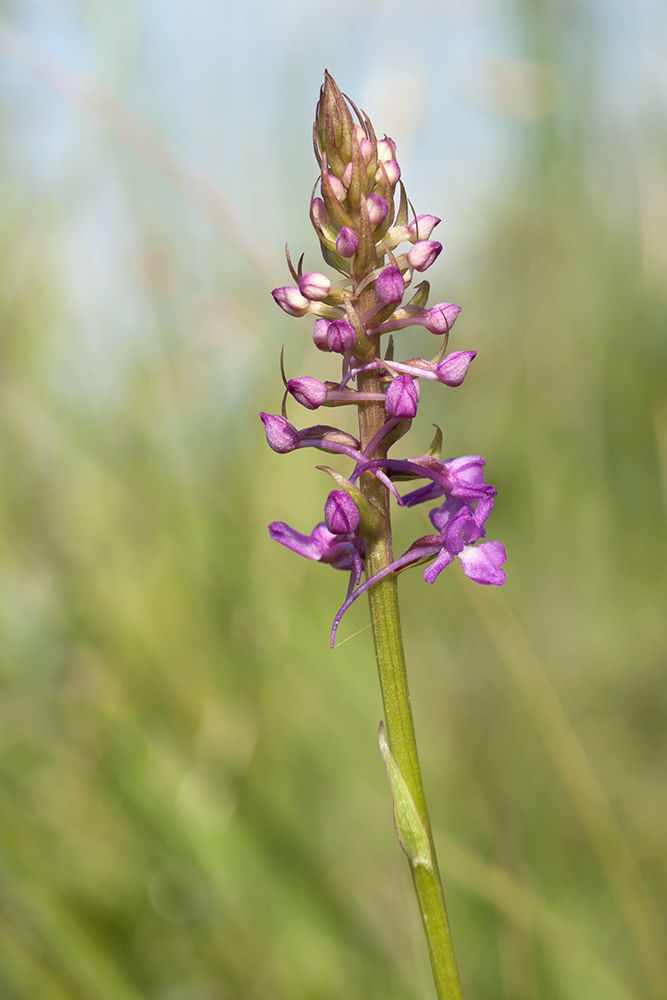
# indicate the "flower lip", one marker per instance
pixel 320 546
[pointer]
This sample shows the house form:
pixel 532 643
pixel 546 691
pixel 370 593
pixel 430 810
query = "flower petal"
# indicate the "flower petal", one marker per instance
pixel 482 563
pixel 432 572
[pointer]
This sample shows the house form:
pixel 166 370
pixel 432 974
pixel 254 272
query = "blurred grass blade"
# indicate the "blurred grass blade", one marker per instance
pixel 588 797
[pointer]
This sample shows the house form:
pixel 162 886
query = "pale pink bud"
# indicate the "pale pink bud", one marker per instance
pixel 386 149
pixel 320 334
pixel 422 227
pixel 423 254
pixel 337 187
pixel 377 209
pixel 315 286
pixel 291 300
pixel 366 149
pixel 393 172
pixel 441 317
pixel 318 213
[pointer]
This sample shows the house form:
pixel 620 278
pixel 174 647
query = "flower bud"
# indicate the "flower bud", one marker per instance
pixel 347 242
pixel 389 285
pixel 281 435
pixel 341 336
pixel 310 392
pixel 320 334
pixel 334 124
pixel 453 369
pixel 377 209
pixel 291 300
pixel 366 149
pixel 440 318
pixel 393 172
pixel 315 286
pixel 341 515
pixel 422 227
pixel 423 254
pixel 337 187
pixel 386 149
pixel 318 213
pixel 402 398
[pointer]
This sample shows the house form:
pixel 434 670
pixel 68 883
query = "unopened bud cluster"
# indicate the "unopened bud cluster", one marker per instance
pixel 362 216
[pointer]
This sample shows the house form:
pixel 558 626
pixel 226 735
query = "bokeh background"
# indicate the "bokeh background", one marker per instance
pixel 193 804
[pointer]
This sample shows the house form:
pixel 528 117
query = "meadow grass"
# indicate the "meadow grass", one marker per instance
pixel 193 803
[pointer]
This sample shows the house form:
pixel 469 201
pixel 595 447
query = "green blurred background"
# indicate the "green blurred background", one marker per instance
pixel 193 805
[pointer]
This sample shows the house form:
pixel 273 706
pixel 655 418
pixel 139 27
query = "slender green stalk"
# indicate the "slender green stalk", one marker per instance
pixel 399 723
pixel 361 215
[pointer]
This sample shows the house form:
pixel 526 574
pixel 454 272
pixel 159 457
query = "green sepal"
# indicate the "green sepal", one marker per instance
pixel 435 447
pixel 364 347
pixel 337 211
pixel 372 522
pixel 358 181
pixel 365 258
pixel 396 433
pixel 323 432
pixel 334 125
pixel 402 215
pixel 420 298
pixel 412 834
pixel 383 314
pixel 334 259
pixel 388 195
pixel 372 165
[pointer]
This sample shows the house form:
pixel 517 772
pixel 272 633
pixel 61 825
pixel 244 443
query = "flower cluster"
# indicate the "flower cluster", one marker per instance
pixel 360 211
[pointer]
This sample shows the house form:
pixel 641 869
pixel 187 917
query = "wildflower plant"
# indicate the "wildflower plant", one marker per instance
pixel 363 218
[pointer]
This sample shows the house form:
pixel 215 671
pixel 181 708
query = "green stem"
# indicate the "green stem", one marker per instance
pixel 399 724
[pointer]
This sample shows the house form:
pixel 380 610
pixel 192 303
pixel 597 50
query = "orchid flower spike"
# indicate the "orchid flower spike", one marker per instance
pixel 361 215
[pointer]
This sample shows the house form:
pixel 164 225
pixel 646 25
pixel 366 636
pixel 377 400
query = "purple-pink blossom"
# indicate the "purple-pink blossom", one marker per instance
pixel 347 242
pixel 402 398
pixel 423 254
pixel 362 216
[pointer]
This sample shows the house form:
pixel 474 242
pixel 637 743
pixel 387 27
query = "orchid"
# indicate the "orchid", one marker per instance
pixel 361 214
